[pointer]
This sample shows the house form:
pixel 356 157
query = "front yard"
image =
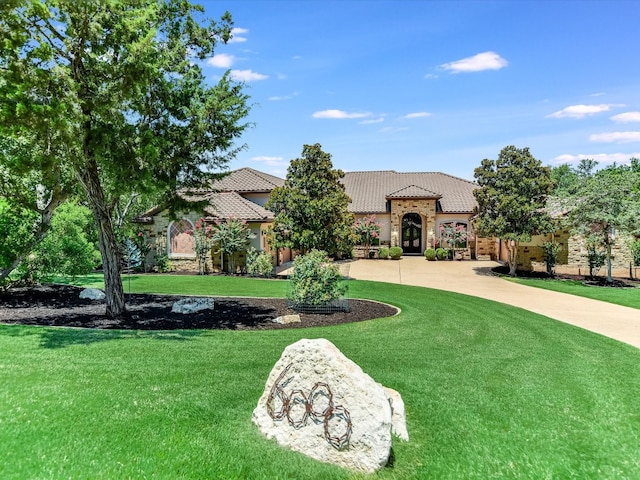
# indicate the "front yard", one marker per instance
pixel 490 391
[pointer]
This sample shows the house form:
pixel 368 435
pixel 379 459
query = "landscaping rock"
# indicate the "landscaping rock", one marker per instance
pixel 398 416
pixel 192 305
pixel 92 294
pixel 318 402
pixel 286 319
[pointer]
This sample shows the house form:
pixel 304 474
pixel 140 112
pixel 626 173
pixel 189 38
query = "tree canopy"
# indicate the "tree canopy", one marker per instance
pixel 109 96
pixel 604 204
pixel 311 208
pixel 512 197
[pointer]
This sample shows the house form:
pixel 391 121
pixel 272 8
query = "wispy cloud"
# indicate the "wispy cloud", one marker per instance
pixel 247 75
pixel 280 98
pixel 627 117
pixel 621 158
pixel 393 129
pixel 417 115
pixel 237 35
pixel 615 137
pixel 271 161
pixel 429 76
pixel 340 114
pixel 477 63
pixel 222 60
pixel 372 121
pixel 582 111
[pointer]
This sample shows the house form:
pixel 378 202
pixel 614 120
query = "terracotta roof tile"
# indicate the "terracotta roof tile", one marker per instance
pixel 231 204
pixel 247 180
pixel 369 190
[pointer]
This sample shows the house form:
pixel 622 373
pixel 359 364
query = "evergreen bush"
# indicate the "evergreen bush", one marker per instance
pixel 315 281
pixel 395 253
pixel 430 254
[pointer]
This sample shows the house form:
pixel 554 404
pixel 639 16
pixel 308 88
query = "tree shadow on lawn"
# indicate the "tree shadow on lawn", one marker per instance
pixel 57 337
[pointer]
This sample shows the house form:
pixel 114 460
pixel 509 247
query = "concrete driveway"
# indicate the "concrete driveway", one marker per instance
pixel 475 278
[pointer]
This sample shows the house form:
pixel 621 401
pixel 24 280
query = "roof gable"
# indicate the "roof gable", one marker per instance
pixel 413 191
pixel 233 205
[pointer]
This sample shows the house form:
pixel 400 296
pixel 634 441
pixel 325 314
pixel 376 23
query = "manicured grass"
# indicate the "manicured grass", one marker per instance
pixel 490 391
pixel 628 297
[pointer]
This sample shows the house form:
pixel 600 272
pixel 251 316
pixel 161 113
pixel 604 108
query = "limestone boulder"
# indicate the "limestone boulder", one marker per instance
pixel 92 294
pixel 192 305
pixel 286 319
pixel 320 403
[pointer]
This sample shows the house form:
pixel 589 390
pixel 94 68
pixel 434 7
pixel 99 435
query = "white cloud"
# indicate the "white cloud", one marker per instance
pixel 615 137
pixel 222 60
pixel 621 158
pixel 339 114
pixel 247 75
pixel 477 63
pixel 429 76
pixel 271 161
pixel 237 35
pixel 626 117
pixel 581 111
pixel 417 115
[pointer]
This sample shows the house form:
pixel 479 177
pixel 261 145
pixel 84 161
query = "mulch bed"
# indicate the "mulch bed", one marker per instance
pixel 60 305
pixel 598 281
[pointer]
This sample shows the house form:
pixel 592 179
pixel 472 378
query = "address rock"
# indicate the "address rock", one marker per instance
pixel 192 305
pixel 92 294
pixel 318 402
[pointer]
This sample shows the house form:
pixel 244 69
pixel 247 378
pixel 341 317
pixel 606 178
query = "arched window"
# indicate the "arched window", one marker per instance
pixel 454 234
pixel 179 238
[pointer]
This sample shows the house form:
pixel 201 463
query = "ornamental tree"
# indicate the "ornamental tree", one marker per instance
pixel 311 207
pixel 112 96
pixel 231 235
pixel 367 229
pixel 512 198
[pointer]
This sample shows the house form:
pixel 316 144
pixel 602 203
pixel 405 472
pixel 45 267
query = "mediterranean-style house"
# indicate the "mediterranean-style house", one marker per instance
pixel 412 207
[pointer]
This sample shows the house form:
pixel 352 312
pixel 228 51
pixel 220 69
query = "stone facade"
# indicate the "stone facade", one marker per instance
pixel 573 256
pixel 426 208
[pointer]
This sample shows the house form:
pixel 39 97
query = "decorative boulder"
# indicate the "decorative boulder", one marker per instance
pixel 92 294
pixel 192 305
pixel 286 319
pixel 318 402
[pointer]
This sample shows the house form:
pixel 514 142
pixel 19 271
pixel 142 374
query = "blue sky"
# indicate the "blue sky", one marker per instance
pixel 434 85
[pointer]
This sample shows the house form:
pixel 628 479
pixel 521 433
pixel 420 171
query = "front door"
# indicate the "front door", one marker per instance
pixel 412 233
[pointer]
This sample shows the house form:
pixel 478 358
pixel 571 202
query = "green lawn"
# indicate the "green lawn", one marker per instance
pixel 490 391
pixel 628 297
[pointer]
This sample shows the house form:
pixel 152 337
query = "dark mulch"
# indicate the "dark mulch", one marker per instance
pixel 60 305
pixel 599 281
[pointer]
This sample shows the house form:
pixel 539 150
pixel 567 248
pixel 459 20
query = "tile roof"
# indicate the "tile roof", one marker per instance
pixel 413 191
pixel 369 191
pixel 247 180
pixel 231 204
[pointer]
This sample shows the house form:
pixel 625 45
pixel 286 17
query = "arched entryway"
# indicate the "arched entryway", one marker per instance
pixel 411 233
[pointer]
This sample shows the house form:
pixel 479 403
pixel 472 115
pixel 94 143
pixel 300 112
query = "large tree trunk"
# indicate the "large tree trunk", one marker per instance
pixel 111 258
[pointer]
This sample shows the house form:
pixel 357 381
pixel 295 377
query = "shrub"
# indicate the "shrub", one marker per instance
pixel 442 253
pixel 551 251
pixel 595 259
pixel 315 281
pixel 635 251
pixel 259 263
pixel 395 253
pixel 383 253
pixel 430 254
pixel 163 264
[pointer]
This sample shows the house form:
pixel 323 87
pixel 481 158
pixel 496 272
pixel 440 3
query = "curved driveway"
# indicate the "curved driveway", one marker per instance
pixel 475 278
